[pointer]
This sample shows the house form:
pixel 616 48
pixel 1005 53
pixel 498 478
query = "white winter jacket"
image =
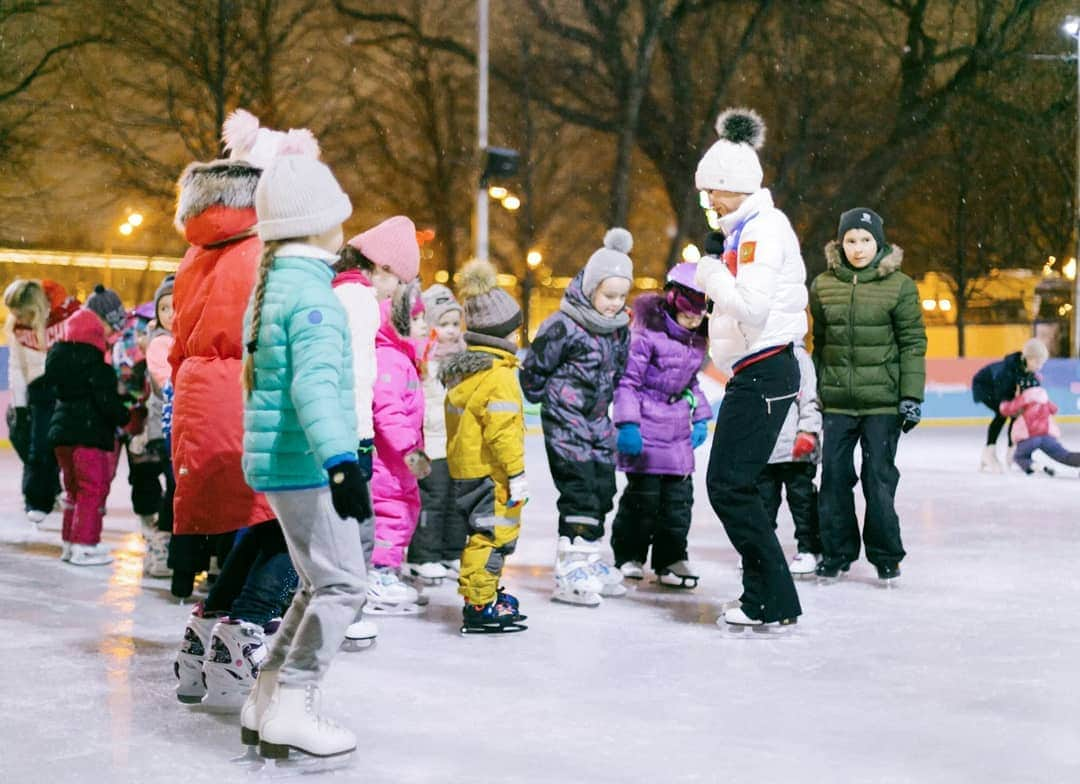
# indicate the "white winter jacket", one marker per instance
pixel 804 416
pixel 363 312
pixel 25 365
pixel 434 412
pixel 764 303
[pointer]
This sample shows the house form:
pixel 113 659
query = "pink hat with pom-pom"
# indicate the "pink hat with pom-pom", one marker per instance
pixel 245 140
pixel 393 245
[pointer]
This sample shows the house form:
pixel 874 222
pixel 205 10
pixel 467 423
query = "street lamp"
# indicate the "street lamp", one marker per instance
pixel 1071 27
pixel 533 258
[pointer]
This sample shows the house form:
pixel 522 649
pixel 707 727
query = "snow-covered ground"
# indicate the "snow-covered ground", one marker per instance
pixel 967 672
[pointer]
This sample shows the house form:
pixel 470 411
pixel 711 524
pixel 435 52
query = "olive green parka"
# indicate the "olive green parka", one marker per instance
pixel 869 337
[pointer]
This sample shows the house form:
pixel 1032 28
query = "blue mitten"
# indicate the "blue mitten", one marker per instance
pixel 629 442
pixel 700 434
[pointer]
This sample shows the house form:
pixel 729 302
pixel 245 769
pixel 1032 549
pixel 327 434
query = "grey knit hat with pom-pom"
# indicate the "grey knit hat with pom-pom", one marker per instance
pixel 489 311
pixel 610 261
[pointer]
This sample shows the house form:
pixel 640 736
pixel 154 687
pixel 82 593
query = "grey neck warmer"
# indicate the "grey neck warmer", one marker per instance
pixel 577 306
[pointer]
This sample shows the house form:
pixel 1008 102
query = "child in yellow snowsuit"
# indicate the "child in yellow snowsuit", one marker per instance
pixel 485 450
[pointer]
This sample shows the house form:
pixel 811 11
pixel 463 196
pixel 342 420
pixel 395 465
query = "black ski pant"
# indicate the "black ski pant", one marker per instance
pixel 795 480
pixel 144 475
pixel 441 533
pixel 586 494
pixel 878 435
pixel 655 509
pixel 751 415
pixel 257 579
pixel 41 474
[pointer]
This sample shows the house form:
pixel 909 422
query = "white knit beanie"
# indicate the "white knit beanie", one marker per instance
pixel 297 197
pixel 610 261
pixel 732 164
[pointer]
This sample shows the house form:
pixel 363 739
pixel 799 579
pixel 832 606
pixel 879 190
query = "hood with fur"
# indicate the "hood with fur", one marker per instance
pixel 885 263
pixel 457 367
pixel 229 185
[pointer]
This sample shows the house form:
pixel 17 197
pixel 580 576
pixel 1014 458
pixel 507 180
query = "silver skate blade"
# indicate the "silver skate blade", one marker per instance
pixel 249 759
pixel 684 583
pixel 300 764
pixel 592 600
pixel 392 610
pixel 763 631
pixel 508 628
pixel 361 644
pixel 890 584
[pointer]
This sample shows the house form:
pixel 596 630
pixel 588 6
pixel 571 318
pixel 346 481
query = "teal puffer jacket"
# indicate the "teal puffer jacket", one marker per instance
pixel 300 417
pixel 869 338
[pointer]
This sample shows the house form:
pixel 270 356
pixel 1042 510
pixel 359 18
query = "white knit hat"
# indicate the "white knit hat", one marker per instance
pixel 610 261
pixel 297 196
pixel 732 164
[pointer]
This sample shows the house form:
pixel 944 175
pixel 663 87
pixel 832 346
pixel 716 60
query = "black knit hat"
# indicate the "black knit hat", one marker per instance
pixel 107 304
pixel 862 218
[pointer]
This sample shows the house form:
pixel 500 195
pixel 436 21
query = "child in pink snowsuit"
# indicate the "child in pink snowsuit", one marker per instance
pixel 1035 427
pixel 398 412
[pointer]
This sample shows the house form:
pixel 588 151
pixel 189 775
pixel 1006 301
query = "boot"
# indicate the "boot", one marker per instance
pixel 258 700
pixel 293 722
pixel 237 648
pixel 147 526
pixel 575 582
pixel 989 461
pixel 188 666
pixel 90 554
pixel 156 559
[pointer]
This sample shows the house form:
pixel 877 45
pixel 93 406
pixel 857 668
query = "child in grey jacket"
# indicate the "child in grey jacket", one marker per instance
pixel 793 467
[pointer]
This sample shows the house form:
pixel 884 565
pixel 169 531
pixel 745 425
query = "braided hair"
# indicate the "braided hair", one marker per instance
pixel 252 342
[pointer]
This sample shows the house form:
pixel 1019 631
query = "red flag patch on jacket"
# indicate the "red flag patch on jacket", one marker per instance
pixel 746 252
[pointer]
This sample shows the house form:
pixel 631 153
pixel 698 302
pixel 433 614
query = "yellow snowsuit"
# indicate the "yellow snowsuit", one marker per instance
pixel 485 430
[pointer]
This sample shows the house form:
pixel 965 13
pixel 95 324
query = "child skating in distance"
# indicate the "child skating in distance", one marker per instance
pixel 662 416
pixel 485 448
pixel 1036 430
pixel 572 369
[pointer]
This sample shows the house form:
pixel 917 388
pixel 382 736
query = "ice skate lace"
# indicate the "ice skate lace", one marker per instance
pixel 320 721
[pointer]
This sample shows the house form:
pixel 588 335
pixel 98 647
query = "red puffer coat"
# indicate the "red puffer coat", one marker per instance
pixel 210 295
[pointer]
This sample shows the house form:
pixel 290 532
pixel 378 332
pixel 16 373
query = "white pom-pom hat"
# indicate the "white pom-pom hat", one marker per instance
pixel 245 140
pixel 610 261
pixel 732 164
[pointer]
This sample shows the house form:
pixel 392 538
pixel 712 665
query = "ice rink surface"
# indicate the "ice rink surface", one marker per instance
pixel 969 671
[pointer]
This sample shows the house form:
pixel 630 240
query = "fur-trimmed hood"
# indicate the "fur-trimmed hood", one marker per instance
pixel 204 185
pixel 457 367
pixel 651 312
pixel 886 263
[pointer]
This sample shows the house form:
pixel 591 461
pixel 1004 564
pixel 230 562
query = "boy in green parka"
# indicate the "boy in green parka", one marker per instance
pixel 870 356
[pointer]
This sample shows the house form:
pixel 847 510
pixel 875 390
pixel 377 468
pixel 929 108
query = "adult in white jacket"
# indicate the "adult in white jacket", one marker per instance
pixel 759 311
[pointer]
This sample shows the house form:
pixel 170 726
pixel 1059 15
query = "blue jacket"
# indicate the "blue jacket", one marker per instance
pixel 300 418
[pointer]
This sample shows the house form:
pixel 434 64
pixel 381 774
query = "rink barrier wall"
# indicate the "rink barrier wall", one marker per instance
pixel 948 392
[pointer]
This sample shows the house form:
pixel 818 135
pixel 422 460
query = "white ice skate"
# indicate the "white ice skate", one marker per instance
pixel 633 570
pixel 147 526
pixel 292 723
pixel 678 575
pixel 90 554
pixel 388 595
pixel 188 666
pixel 804 564
pixel 734 620
pixel 237 648
pixel 36 516
pixel 360 635
pixel 575 582
pixel 65 551
pixel 611 579
pixel 453 568
pixel 989 460
pixel 156 559
pixel 258 700
pixel 430 573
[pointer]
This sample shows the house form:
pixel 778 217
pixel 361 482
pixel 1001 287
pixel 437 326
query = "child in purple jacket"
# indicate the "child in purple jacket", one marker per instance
pixel 662 416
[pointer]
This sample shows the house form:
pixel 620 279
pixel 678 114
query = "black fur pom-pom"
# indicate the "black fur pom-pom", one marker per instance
pixel 741 126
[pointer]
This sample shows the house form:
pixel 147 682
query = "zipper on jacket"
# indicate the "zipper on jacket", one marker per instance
pixel 851 339
pixel 770 400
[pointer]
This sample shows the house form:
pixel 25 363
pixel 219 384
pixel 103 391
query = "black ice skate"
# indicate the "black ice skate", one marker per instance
pixel 678 575
pixel 493 618
pixel 889 574
pixel 829 570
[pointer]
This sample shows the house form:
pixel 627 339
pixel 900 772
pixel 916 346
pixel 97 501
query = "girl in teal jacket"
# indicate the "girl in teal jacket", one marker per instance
pixel 300 450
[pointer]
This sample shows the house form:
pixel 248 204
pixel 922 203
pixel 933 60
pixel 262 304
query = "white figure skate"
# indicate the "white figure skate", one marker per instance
pixel 237 648
pixel 804 564
pixel 575 582
pixel 453 568
pixel 611 579
pixel 188 666
pixel 294 736
pixel 633 570
pixel 388 595
pixel 90 554
pixel 431 573
pixel 678 575
pixel 360 635
pixel 989 460
pixel 735 621
pixel 156 559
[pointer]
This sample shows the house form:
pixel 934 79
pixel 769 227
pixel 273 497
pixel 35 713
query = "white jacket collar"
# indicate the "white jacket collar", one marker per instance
pixel 755 202
pixel 303 250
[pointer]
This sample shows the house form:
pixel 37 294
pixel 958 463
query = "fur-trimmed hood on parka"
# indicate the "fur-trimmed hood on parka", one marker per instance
pixel 230 184
pixel 886 262
pixel 460 366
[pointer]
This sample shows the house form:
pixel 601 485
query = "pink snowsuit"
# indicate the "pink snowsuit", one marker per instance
pixel 398 412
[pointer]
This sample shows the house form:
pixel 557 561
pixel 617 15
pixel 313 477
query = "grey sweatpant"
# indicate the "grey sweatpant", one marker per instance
pixel 329 560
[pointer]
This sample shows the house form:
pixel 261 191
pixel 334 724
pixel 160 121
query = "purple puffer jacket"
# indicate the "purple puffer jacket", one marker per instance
pixel 664 362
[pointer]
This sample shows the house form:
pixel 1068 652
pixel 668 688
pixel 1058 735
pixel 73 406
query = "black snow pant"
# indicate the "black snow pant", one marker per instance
pixel 796 480
pixel 656 510
pixel 190 554
pixel 586 494
pixel 878 435
pixel 441 533
pixel 751 415
pixel 144 476
pixel 41 474
pixel 165 513
pixel 257 579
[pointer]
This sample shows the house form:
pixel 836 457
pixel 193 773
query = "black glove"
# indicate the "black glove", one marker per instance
pixel 364 453
pixel 349 492
pixel 714 244
pixel 910 414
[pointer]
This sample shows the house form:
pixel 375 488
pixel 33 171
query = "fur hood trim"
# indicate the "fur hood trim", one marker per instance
pixel 457 367
pixel 202 185
pixel 889 264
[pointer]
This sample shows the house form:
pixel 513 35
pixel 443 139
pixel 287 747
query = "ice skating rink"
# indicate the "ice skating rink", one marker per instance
pixel 969 671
